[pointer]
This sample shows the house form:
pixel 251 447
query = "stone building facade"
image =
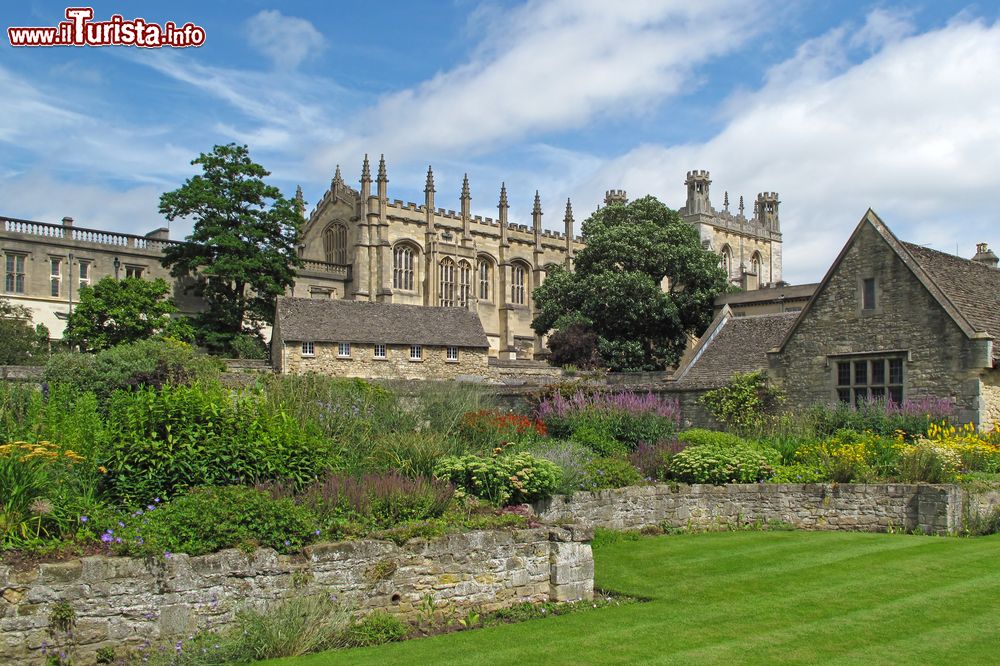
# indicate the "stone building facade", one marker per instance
pixel 377 340
pixel 896 320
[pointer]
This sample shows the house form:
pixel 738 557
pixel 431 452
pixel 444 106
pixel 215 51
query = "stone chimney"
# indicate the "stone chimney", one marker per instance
pixel 985 255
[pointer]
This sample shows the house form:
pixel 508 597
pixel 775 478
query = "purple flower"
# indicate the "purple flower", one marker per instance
pixel 84 519
pixel 317 532
pixel 287 543
pixel 166 554
pixel 121 524
pixel 118 539
pixel 156 500
pixel 106 537
pixel 150 507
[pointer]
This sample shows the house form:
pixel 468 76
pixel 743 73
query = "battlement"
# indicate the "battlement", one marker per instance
pixel 697 174
pixel 767 196
pixel 615 196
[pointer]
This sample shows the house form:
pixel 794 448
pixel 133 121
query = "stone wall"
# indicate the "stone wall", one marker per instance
pixel 471 363
pixel 857 507
pixel 991 399
pixel 122 601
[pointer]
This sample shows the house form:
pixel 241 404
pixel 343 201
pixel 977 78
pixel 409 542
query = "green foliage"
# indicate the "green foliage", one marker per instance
pixel 487 429
pixel 412 454
pixel 575 345
pixel 507 479
pixel 702 436
pixel 610 472
pixel 162 442
pixel 377 628
pixel 114 312
pixel 22 343
pixel 606 537
pixel 720 464
pixel 746 404
pixel 929 462
pixel 571 457
pixel 615 289
pixel 799 473
pixel 243 247
pixel 912 418
pixel 151 363
pixel 248 345
pixel 212 518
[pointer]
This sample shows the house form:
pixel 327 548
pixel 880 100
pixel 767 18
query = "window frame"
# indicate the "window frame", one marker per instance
pixel 446 283
pixel 404 274
pixel 451 354
pixel 343 350
pixel 375 351
pixel 55 276
pixel 518 284
pixel 137 272
pixel 484 274
pixel 83 272
pixel 14 279
pixel 416 353
pixel 869 295
pixel 860 379
pixel 308 348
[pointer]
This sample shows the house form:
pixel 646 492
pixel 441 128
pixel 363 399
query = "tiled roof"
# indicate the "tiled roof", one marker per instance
pixel 973 288
pixel 736 344
pixel 322 320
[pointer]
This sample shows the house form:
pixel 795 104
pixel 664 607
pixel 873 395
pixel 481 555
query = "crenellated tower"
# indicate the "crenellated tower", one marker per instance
pixel 698 201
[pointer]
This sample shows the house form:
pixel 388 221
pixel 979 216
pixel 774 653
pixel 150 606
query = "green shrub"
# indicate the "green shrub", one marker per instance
pixel 610 473
pixel 716 464
pixel 594 434
pixel 162 442
pixel 145 363
pixel 377 628
pixel 701 436
pixel 799 473
pixel 507 479
pixel 487 429
pixel 652 461
pixel 212 518
pixel 412 454
pixel 746 404
pixel 572 459
pixel 912 418
pixel 248 345
pixel 928 462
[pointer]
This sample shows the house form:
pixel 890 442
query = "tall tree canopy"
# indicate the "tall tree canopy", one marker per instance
pixel 617 288
pixel 114 312
pixel 242 250
pixel 21 343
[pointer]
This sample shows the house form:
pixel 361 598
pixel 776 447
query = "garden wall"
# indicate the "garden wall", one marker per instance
pixel 932 509
pixel 122 601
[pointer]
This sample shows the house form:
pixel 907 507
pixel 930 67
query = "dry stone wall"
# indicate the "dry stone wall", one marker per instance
pixel 932 509
pixel 123 601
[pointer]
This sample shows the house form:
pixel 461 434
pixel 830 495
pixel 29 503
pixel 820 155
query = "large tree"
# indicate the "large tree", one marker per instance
pixel 22 344
pixel 242 250
pixel 617 289
pixel 114 312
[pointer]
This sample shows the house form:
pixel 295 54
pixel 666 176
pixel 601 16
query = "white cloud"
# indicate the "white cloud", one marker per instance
pixel 552 65
pixel 286 40
pixel 912 131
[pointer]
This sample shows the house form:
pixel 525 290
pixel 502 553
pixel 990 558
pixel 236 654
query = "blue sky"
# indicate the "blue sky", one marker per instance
pixel 837 106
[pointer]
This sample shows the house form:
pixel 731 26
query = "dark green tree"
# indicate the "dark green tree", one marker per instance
pixel 617 289
pixel 22 343
pixel 242 251
pixel 114 312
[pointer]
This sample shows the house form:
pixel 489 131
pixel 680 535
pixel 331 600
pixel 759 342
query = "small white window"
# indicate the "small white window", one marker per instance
pixel 344 349
pixel 55 271
pixel 416 352
pixel 379 351
pixel 452 354
pixel 308 349
pixel 84 274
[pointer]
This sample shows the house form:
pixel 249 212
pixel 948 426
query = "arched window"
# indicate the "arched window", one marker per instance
pixel 464 283
pixel 518 284
pixel 335 244
pixel 726 261
pixel 755 264
pixel 402 267
pixel 446 295
pixel 485 278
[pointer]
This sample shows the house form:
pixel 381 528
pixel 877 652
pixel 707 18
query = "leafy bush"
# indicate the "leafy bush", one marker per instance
pixel 575 345
pixel 162 442
pixel 610 473
pixel 710 463
pixel 912 417
pixel 412 454
pixel 153 363
pixel 929 462
pixel 572 458
pixel 799 473
pixel 701 436
pixel 248 345
pixel 377 628
pixel 212 518
pixel 628 418
pixel 377 500
pixel 652 461
pixel 978 451
pixel 746 404
pixel 506 479
pixel 488 428
pixel 851 456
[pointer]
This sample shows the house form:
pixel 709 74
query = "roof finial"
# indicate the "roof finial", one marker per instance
pixel 381 168
pixel 336 176
pixel 538 204
pixel 741 206
pixel 429 186
pixel 569 211
pixel 503 195
pixel 366 172
pixel 725 201
pixel 465 187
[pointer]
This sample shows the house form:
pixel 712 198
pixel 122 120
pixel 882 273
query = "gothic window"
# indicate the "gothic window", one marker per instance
pixel 485 278
pixel 335 244
pixel 518 284
pixel 755 265
pixel 446 296
pixel 402 267
pixel 464 283
pixel 726 261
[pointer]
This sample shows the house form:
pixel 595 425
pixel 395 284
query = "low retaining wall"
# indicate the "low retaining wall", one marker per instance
pixel 123 601
pixel 933 509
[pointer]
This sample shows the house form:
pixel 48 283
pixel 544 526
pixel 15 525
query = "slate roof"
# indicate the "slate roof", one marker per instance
pixel 973 288
pixel 322 320
pixel 732 344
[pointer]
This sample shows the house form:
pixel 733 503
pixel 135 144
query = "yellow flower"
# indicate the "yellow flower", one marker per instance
pixel 102 469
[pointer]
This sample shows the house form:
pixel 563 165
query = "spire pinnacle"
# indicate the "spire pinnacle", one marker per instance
pixel 366 172
pixel 503 195
pixel 429 186
pixel 337 178
pixel 569 211
pixel 725 201
pixel 300 202
pixel 465 187
pixel 741 205
pixel 538 204
pixel 381 168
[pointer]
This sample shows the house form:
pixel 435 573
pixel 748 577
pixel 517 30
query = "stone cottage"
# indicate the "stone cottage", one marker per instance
pixel 377 340
pixel 898 321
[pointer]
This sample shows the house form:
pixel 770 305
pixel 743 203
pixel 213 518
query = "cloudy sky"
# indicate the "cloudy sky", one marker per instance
pixel 837 106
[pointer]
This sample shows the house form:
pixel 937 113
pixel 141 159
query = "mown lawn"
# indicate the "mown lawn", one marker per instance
pixel 754 598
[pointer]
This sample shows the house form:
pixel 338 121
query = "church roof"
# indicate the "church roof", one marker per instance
pixel 326 320
pixel 732 344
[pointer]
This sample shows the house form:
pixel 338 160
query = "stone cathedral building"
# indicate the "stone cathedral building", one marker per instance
pixel 360 245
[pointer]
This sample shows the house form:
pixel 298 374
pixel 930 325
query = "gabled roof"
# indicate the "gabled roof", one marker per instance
pixel 732 344
pixel 322 320
pixel 967 290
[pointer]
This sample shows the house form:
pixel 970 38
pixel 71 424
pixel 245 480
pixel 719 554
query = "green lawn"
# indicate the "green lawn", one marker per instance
pixel 754 597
